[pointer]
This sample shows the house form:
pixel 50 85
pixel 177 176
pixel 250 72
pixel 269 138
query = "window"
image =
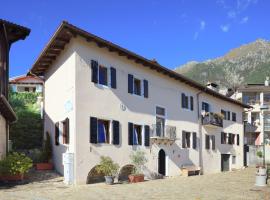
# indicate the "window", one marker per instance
pixel 205 107
pixel 103 131
pixel 223 138
pixel 185 139
pixel 135 86
pixel 102 75
pixel 187 101
pixel 137 135
pixel 213 142
pixel 160 121
pixel 224 113
pixel 26 89
pixel 233 116
pixel 65 131
pixel 228 115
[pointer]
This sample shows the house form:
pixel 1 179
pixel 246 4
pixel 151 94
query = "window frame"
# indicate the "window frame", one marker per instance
pixel 141 88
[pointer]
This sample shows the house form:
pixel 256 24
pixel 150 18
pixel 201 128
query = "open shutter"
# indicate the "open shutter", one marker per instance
pixel 213 142
pixel 191 103
pixel 146 136
pixel 113 77
pixel 130 133
pixel 130 83
pixel 238 139
pixel 207 142
pixel 145 88
pixel 194 140
pixel 184 139
pixel 56 132
pixel 94 66
pixel 67 130
pixel 222 138
pixel 183 100
pixel 93 130
pixel 116 132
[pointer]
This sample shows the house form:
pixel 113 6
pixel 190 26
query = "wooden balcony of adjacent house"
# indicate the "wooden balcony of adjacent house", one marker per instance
pixel 212 119
pixel 163 134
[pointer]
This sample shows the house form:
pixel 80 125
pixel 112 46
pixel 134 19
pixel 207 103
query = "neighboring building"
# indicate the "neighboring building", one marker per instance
pixel 26 83
pixel 256 95
pixel 9 33
pixel 103 100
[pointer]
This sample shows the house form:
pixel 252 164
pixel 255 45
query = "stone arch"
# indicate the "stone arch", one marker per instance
pixel 125 171
pixel 94 176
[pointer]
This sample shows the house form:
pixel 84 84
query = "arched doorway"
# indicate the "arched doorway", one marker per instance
pixel 125 172
pixel 162 162
pixel 94 176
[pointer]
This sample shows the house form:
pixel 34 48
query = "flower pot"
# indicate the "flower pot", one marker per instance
pixel 10 177
pixel 109 180
pixel 135 178
pixel 44 166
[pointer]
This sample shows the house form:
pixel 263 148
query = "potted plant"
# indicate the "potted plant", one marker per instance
pixel 45 159
pixel 108 168
pixel 138 159
pixel 14 167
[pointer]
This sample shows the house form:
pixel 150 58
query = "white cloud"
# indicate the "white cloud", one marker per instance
pixel 244 20
pixel 202 25
pixel 225 28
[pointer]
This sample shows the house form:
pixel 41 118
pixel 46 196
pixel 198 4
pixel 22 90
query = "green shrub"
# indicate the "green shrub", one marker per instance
pixel 15 163
pixel 138 159
pixel 47 149
pixel 107 166
pixel 259 154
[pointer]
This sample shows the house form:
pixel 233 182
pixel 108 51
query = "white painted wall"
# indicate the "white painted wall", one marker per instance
pixel 70 78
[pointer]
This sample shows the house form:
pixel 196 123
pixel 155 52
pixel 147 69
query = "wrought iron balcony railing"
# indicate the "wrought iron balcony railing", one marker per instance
pixel 212 119
pixel 163 132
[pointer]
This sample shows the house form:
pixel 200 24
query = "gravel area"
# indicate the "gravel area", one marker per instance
pixel 230 185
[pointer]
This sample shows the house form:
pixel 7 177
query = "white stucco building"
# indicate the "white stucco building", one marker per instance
pixel 26 83
pixel 101 99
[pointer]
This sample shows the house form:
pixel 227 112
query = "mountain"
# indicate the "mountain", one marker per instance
pixel 249 63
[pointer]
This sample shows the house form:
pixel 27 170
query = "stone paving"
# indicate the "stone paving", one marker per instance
pixel 222 186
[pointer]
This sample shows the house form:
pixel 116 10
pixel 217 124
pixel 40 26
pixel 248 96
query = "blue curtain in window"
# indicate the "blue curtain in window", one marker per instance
pixel 135 137
pixel 101 132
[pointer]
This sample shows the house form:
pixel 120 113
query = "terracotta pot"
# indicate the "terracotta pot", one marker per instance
pixel 44 166
pixel 136 178
pixel 16 177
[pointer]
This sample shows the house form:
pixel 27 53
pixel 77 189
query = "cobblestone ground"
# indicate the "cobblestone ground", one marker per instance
pixel 231 185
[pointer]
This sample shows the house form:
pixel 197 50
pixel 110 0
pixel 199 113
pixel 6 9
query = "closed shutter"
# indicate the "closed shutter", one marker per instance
pixel 207 142
pixel 94 66
pixel 222 138
pixel 146 136
pixel 116 132
pixel 67 130
pixel 183 100
pixel 145 88
pixel 194 140
pixel 56 132
pixel 213 142
pixel 191 103
pixel 238 139
pixel 113 78
pixel 184 139
pixel 130 133
pixel 93 130
pixel 130 83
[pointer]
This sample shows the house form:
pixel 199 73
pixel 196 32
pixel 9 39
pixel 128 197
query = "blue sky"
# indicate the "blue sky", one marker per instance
pixel 173 32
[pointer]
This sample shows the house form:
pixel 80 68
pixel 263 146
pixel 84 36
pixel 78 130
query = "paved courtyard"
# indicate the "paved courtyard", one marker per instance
pixel 230 185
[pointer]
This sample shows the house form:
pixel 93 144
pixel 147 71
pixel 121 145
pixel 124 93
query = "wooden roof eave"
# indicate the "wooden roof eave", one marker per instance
pixel 6 110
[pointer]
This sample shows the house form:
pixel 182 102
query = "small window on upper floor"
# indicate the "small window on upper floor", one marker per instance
pixel 233 116
pixel 137 87
pixel 205 107
pixel 102 75
pixel 187 101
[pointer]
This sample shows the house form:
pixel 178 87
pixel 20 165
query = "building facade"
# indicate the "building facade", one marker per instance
pixel 257 121
pixel 9 33
pixel 26 83
pixel 103 100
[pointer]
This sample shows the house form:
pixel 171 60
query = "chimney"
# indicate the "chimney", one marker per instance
pixel 266 82
pixel 212 86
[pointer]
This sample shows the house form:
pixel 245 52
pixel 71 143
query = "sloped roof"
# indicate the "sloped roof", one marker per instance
pixel 28 79
pixel 67 31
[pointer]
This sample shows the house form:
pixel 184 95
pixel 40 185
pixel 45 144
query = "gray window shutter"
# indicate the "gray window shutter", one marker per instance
pixel 130 83
pixel 194 140
pixel 116 132
pixel 191 103
pixel 94 67
pixel 146 136
pixel 213 142
pixel 145 88
pixel 93 130
pixel 113 78
pixel 130 133
pixel 184 139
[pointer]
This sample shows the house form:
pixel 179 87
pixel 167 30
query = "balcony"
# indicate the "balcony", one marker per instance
pixel 252 127
pixel 212 119
pixel 163 134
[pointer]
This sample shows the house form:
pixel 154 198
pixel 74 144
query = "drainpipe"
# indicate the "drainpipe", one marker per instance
pixel 199 130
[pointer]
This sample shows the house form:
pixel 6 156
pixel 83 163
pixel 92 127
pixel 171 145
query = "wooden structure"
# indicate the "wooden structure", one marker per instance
pixel 9 33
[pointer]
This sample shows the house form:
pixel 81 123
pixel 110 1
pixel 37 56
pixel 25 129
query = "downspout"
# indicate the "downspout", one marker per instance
pixel 199 130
